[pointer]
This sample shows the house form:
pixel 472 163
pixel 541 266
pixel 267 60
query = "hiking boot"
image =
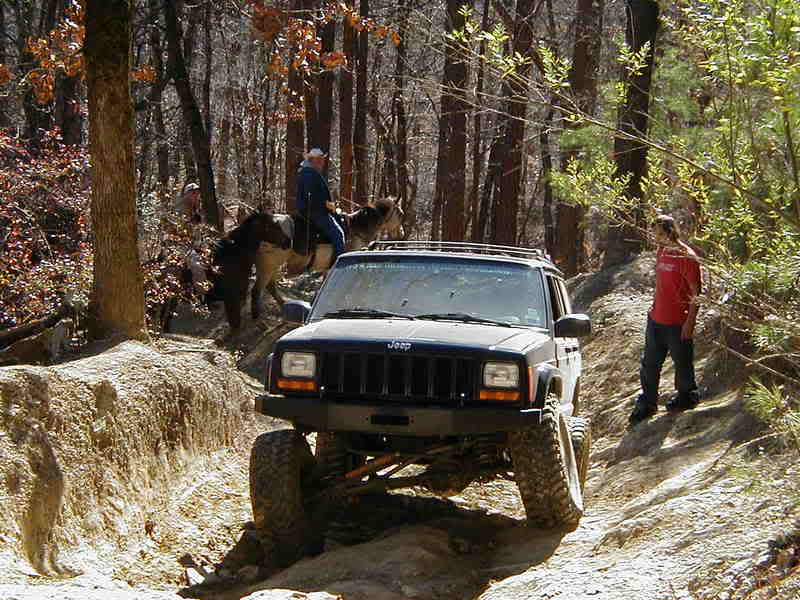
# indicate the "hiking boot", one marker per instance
pixel 642 411
pixel 681 402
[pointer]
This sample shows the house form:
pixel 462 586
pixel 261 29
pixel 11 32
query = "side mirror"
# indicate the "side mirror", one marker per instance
pixel 295 311
pixel 573 326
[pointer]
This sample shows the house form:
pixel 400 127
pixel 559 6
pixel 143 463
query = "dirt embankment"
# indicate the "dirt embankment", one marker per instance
pixel 677 508
pixel 90 451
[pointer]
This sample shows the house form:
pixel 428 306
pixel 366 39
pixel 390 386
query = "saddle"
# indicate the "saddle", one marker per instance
pixel 306 239
pixel 305 236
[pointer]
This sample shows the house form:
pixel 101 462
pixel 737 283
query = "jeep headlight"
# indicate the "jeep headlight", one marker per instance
pixel 298 365
pixel 504 375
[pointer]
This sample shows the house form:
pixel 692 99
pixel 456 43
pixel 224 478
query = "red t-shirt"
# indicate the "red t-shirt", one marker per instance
pixel 677 273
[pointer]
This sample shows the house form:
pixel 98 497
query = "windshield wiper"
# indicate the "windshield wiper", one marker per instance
pixel 364 313
pixel 463 317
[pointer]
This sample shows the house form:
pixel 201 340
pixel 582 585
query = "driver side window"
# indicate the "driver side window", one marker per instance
pixel 556 300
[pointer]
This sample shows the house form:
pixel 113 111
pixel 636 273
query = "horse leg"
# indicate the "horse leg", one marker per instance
pixel 256 306
pixel 268 264
pixel 233 312
pixel 262 267
pixel 272 288
pixel 167 312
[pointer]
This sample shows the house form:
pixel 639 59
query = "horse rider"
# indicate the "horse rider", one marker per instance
pixel 314 199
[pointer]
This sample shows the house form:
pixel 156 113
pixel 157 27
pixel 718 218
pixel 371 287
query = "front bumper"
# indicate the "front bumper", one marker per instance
pixel 321 415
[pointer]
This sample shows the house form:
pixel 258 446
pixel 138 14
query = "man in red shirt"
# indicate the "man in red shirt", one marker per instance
pixel 670 323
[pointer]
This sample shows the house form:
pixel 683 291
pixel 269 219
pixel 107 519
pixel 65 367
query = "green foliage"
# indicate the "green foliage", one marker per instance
pixel 496 40
pixel 772 405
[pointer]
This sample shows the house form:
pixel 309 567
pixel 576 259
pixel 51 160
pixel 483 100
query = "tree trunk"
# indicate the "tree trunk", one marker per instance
pixel 489 186
pixel 477 146
pixel 68 109
pixel 325 90
pixel 399 113
pixel 294 130
pixel 547 170
pixel 451 169
pixel 506 205
pixel 441 168
pixel 4 117
pixel 162 146
pixel 224 141
pixel 38 117
pixel 117 305
pixel 388 185
pixel 569 247
pixel 360 150
pixel 191 113
pixel 265 132
pixel 346 116
pixel 67 106
pixel 631 156
pixel 208 48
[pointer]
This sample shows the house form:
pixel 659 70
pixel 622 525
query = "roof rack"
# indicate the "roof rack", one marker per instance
pixel 471 248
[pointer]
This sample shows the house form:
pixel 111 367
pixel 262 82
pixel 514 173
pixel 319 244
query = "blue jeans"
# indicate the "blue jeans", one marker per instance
pixel 661 340
pixel 333 231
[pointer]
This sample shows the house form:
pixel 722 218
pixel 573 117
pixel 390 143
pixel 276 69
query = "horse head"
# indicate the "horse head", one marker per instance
pixel 392 216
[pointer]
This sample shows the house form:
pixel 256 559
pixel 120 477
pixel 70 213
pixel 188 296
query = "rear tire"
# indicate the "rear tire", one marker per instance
pixel 281 483
pixel 581 434
pixel 546 471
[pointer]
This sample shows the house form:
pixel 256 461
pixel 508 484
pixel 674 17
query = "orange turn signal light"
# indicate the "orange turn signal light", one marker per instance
pixel 499 395
pixel 297 385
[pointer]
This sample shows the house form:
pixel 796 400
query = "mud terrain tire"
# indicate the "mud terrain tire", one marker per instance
pixel 281 477
pixel 546 471
pixel 581 433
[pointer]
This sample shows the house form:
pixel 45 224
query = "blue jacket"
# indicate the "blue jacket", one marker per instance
pixel 312 193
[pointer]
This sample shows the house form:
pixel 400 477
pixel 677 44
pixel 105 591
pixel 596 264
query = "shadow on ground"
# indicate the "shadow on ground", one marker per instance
pixel 394 546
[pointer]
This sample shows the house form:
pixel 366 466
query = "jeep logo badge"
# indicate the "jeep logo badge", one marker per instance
pixel 395 345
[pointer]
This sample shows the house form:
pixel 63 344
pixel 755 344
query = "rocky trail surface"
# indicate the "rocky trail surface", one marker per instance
pixel 674 509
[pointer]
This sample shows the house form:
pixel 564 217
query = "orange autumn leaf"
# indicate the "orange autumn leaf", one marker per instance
pixel 146 74
pixel 331 60
pixel 5 74
pixel 396 38
pixel 268 22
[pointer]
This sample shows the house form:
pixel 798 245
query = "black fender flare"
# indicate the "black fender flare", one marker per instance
pixel 545 377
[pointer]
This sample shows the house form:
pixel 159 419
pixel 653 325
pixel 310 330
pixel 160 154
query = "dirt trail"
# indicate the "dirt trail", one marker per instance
pixel 668 513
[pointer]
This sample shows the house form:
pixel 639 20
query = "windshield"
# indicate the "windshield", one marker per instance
pixel 428 287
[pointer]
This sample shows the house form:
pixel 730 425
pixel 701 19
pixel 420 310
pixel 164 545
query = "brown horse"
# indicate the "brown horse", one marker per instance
pixel 362 227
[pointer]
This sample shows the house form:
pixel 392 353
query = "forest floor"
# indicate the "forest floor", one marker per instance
pixel 680 507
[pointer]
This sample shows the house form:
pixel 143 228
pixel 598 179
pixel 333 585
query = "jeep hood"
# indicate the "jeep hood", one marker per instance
pixel 472 335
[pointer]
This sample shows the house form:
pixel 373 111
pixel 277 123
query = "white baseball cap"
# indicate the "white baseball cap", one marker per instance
pixel 315 153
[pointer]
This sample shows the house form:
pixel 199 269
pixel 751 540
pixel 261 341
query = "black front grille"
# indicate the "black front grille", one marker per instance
pixel 411 378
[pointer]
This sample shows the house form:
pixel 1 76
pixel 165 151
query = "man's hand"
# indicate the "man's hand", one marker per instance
pixel 687 330
pixel 331 206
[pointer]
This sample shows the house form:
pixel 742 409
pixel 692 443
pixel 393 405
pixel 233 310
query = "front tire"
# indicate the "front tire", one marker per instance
pixel 546 471
pixel 281 483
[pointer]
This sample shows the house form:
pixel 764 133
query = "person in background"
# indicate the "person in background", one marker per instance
pixel 190 205
pixel 314 199
pixel 670 323
pixel 191 209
